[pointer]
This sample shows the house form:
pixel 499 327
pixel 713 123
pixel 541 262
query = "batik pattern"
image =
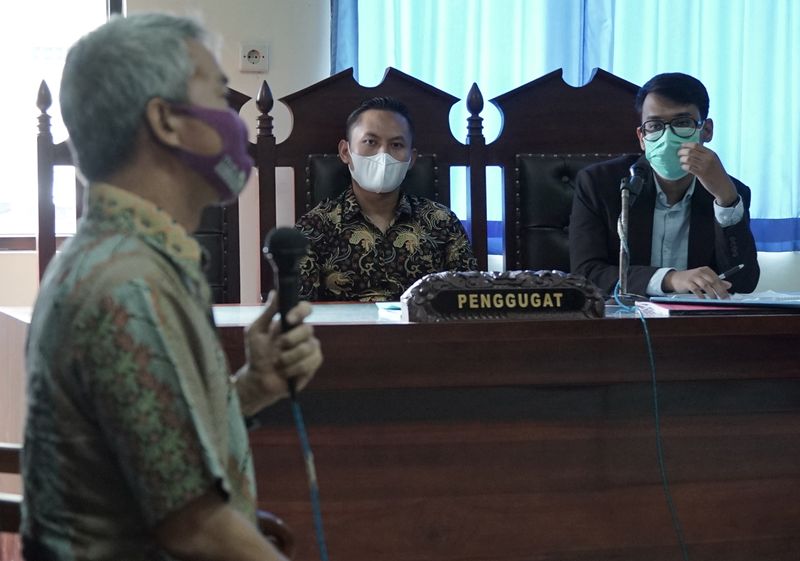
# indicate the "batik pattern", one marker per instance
pixel 351 259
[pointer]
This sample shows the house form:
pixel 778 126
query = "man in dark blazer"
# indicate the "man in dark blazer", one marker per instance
pixel 691 221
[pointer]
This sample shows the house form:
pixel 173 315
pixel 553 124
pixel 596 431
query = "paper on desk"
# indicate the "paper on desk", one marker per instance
pixel 390 310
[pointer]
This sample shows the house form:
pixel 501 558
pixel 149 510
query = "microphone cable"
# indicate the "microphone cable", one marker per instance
pixel 254 422
pixel 673 512
pixel 283 247
pixel 311 472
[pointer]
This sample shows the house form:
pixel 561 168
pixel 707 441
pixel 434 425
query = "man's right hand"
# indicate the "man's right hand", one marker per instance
pixel 273 357
pixel 703 282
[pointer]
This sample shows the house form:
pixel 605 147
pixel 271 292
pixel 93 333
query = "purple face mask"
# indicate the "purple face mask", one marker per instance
pixel 228 170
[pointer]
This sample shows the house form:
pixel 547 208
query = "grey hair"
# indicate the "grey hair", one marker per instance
pixel 109 76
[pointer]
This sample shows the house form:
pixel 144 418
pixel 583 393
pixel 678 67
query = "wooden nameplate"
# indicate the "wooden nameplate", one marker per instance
pixel 510 295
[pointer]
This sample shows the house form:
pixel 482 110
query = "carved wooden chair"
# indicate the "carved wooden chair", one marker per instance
pixel 551 131
pixel 218 233
pixel 318 116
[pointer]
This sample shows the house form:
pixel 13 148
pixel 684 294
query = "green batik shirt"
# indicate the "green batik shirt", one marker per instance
pixel 131 410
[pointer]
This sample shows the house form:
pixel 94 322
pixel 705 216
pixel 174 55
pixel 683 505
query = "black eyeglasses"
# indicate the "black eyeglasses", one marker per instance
pixel 683 127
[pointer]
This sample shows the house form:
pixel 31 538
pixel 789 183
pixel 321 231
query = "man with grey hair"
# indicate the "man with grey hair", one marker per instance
pixel 135 444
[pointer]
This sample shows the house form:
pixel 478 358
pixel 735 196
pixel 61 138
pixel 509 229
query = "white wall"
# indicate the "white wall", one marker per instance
pixel 19 278
pixel 779 271
pixel 297 33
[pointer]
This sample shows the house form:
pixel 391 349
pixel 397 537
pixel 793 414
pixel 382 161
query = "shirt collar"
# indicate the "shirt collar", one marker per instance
pixel 127 213
pixel 350 206
pixel 661 197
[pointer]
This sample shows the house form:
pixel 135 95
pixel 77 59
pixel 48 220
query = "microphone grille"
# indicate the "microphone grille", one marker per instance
pixel 285 242
pixel 639 167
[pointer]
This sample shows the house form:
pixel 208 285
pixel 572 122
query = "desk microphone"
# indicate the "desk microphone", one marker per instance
pixel 629 189
pixel 638 171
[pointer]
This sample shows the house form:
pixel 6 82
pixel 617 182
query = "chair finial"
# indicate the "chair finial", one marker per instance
pixel 264 99
pixel 264 102
pixel 475 121
pixel 474 100
pixel 43 99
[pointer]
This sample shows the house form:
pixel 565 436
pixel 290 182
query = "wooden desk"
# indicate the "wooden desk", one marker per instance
pixel 534 441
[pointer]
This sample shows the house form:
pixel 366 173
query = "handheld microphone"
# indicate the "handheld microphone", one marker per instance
pixel 283 248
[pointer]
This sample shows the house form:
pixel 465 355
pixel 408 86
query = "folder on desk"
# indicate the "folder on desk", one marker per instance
pixel 769 302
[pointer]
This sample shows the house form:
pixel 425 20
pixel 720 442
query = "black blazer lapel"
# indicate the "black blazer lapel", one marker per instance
pixel 640 228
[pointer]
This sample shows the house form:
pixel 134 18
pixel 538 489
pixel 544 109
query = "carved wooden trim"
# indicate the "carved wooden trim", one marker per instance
pixel 511 295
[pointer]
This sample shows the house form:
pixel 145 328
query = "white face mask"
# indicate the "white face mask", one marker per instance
pixel 379 173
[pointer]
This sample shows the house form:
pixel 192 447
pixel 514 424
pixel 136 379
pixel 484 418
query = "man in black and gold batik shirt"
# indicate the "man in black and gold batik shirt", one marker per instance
pixel 374 241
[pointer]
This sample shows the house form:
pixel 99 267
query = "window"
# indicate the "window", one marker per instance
pixel 34 42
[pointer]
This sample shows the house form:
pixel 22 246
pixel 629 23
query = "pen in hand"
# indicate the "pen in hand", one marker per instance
pixel 732 271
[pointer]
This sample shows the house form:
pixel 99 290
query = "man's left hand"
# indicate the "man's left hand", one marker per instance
pixel 704 164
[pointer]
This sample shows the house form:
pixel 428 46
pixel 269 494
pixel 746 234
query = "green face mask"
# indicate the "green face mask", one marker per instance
pixel 663 154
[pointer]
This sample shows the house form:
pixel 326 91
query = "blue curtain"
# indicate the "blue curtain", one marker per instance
pixel 500 44
pixel 744 51
pixel 344 36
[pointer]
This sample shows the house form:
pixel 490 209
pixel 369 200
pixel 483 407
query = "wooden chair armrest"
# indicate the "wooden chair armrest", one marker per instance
pixel 276 531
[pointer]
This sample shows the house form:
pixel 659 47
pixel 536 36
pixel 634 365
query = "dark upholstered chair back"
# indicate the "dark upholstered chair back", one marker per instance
pixel 543 192
pixel 218 233
pixel 573 127
pixel 327 176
